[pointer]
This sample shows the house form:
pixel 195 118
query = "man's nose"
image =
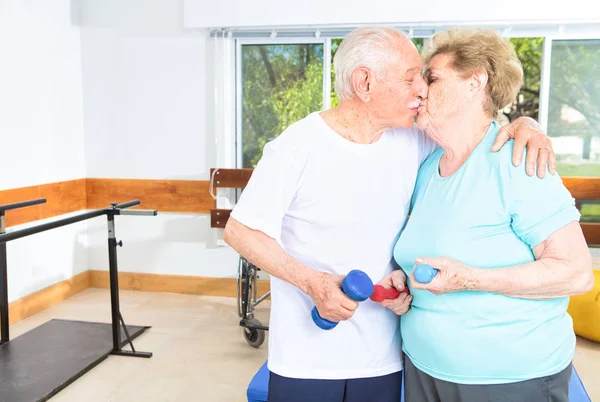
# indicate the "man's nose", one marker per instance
pixel 422 88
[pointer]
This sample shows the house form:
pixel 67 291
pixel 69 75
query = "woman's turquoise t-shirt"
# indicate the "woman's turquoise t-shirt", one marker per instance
pixel 488 214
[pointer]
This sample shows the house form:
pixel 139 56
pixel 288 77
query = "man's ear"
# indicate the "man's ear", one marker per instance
pixel 362 79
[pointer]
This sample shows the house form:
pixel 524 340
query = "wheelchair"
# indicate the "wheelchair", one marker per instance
pixel 247 300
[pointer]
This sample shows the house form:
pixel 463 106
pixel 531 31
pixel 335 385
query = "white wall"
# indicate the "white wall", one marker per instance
pixel 41 124
pixel 41 260
pixel 148 101
pixel 236 13
pixel 41 131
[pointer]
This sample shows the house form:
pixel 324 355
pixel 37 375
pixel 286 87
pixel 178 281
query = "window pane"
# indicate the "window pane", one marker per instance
pixel 529 51
pixel 574 106
pixel 281 85
pixel 590 210
pixel 335 43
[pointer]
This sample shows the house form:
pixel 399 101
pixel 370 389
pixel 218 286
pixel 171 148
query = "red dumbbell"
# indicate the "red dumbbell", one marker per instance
pixel 380 293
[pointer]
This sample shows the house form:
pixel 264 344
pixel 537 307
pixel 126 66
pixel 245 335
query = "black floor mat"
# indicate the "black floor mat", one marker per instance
pixel 38 364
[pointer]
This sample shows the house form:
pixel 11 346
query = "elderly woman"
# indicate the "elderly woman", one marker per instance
pixel 508 248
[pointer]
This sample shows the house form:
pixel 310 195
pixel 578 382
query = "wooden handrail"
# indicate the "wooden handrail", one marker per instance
pixel 581 188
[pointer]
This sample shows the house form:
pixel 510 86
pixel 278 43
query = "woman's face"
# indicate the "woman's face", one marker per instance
pixel 448 95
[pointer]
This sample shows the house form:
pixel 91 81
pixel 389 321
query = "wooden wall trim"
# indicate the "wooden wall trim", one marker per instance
pixel 195 285
pixel 190 196
pixel 61 198
pixel 187 196
pixel 48 297
pixel 184 196
pixel 583 188
pixel 34 303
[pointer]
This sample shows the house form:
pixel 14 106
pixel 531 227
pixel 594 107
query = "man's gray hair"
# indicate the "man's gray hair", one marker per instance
pixel 369 47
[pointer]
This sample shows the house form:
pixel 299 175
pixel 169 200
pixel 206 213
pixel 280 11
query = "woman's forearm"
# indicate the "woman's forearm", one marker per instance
pixel 563 267
pixel 543 279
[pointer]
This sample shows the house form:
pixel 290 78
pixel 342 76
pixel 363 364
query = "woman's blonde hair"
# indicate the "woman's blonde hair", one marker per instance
pixel 476 49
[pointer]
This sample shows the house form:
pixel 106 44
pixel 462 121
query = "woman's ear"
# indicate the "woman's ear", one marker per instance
pixel 362 79
pixel 479 80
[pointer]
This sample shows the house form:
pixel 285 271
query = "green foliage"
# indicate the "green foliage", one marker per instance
pixel 281 84
pixel 529 51
pixel 577 169
pixel 301 98
pixel 590 212
pixel 419 42
pixel 334 101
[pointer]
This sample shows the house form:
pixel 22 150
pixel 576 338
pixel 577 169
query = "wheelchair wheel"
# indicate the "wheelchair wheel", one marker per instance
pixel 254 337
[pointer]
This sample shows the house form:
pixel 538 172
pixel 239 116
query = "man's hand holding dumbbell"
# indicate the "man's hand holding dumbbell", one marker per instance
pixel 332 303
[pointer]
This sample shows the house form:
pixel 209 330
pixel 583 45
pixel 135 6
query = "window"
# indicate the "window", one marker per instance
pixel 282 84
pixel 529 51
pixel 574 106
pixel 574 113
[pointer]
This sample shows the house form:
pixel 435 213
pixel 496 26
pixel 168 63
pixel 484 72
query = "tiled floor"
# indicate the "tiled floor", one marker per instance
pixel 199 351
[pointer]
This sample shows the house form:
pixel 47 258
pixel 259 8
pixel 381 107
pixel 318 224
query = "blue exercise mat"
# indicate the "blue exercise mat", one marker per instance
pixel 259 386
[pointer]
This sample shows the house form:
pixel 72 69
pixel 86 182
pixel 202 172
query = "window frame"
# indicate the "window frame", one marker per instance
pixel 591 230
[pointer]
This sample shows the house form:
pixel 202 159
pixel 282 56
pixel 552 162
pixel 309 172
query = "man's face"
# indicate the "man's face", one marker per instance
pixel 398 92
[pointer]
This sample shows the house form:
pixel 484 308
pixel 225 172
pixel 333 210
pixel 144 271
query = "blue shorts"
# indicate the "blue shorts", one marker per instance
pixel 375 389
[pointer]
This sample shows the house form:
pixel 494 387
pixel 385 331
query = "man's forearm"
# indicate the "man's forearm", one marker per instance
pixel 267 254
pixel 542 279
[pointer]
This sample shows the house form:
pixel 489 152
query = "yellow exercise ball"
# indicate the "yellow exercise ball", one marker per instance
pixel 585 311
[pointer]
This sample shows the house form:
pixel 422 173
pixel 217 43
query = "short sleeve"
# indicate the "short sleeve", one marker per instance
pixel 539 207
pixel 271 189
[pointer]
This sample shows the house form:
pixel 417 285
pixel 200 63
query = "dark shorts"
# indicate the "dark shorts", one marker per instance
pixel 421 387
pixel 376 389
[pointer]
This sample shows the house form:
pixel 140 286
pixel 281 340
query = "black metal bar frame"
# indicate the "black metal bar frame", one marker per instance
pixel 4 324
pixel 110 212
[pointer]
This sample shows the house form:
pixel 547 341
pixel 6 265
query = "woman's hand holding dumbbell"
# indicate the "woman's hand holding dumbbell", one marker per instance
pixel 332 303
pixel 395 281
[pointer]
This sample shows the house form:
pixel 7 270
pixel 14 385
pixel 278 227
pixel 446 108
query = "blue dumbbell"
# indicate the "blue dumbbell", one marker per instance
pixel 356 285
pixel 425 273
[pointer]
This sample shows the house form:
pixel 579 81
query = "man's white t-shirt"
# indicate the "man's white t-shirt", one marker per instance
pixel 335 206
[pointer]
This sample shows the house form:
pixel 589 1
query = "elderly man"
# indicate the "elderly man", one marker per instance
pixel 331 194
